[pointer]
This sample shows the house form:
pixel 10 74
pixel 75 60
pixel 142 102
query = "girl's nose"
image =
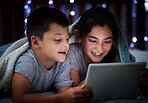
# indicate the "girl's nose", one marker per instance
pixel 99 47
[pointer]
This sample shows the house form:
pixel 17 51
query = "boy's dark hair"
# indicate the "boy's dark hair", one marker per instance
pixel 39 21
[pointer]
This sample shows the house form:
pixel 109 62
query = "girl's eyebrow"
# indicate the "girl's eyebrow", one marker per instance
pixel 92 37
pixel 109 38
pixel 97 38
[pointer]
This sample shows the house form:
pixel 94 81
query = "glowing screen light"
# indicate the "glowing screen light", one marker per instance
pixel 134 39
pixel 72 13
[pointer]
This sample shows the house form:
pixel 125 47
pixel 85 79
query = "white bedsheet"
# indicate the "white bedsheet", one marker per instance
pixel 140 55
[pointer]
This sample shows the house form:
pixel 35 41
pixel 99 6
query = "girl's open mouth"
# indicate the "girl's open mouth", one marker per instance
pixel 97 54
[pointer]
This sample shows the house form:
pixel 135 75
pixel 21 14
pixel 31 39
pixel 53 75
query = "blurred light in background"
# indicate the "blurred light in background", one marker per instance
pixel 72 13
pixel 134 14
pixel 134 39
pixel 26 6
pixel 50 2
pixel 135 1
pixel 145 38
pixel 29 2
pixel 132 45
pixel 104 5
pixel 146 5
pixel 25 20
pixel 72 1
pixel 25 32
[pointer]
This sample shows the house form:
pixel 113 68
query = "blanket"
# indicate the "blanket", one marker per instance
pixel 8 59
pixel 7 63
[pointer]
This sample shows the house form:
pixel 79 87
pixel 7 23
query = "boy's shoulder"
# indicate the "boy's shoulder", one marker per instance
pixel 27 56
pixel 26 63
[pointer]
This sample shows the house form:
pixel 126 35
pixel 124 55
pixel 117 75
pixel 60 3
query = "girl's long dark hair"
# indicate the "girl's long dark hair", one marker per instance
pixel 100 17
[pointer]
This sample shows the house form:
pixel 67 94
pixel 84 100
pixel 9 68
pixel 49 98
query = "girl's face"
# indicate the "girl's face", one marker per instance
pixel 97 44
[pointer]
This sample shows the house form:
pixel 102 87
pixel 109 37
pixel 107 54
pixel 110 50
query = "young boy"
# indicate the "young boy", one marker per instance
pixel 38 68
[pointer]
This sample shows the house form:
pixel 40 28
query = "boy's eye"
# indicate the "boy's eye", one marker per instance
pixel 92 40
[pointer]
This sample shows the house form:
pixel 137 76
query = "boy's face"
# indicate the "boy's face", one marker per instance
pixel 54 45
pixel 97 44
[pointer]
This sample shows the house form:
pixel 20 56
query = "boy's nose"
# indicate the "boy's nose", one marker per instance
pixel 66 44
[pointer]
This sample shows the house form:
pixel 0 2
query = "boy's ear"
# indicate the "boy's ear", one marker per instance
pixel 35 42
pixel 78 38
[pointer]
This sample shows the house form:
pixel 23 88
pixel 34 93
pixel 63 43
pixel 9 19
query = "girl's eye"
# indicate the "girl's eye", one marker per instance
pixel 107 41
pixel 92 40
pixel 57 40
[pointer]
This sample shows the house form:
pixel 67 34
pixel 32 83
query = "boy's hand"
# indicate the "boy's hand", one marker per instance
pixel 143 82
pixel 77 95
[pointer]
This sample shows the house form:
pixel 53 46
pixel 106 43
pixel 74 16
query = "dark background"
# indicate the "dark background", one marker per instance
pixel 131 15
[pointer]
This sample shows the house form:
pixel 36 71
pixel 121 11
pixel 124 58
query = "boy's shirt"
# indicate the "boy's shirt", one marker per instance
pixel 41 79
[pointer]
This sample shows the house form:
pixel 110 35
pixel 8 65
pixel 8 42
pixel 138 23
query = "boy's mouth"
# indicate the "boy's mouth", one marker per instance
pixel 63 53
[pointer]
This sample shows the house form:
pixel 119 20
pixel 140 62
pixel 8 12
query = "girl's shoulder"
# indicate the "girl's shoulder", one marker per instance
pixel 77 47
pixel 75 50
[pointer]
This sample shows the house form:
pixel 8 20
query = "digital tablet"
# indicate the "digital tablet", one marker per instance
pixel 110 81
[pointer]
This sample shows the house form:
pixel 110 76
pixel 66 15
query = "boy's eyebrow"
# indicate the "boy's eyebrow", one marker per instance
pixel 104 39
pixel 61 34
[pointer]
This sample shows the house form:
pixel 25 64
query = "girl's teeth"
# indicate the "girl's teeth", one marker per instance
pixel 96 53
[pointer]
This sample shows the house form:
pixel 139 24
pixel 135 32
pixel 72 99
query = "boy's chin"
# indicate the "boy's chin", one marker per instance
pixel 61 60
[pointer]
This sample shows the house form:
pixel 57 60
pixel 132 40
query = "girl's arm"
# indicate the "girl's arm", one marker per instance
pixel 74 75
